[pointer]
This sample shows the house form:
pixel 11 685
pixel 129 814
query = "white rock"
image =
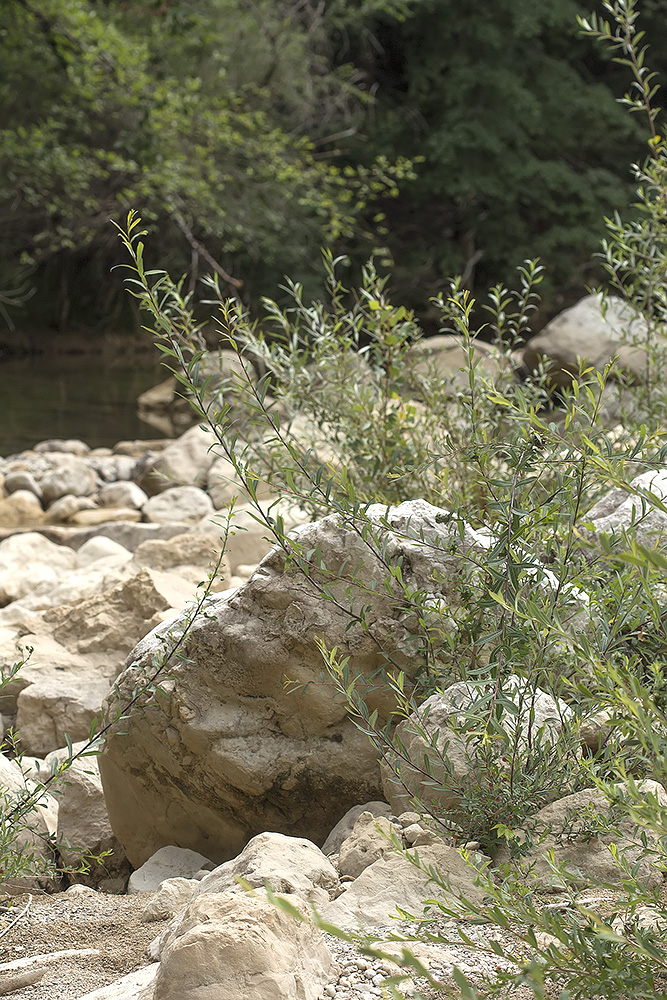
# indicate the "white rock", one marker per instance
pixel 168 862
pixel 232 946
pixel 345 825
pixel 122 494
pixel 29 559
pixel 185 504
pixel 172 896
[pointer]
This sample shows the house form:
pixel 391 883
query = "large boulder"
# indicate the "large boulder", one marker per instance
pixel 395 881
pixel 433 734
pixel 626 510
pixel 231 946
pixel 226 751
pixel 594 331
pixel 584 832
pixel 29 852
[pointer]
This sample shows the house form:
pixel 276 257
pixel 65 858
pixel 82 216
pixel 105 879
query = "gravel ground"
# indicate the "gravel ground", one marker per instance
pixel 83 919
pixel 79 918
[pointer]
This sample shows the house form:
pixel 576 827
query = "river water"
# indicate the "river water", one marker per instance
pixel 80 396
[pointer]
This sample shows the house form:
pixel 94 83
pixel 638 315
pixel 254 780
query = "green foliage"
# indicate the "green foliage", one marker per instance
pixel 157 108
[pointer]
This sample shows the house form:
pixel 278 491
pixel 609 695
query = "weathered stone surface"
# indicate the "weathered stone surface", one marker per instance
pixel 222 484
pixel 21 480
pixel 134 986
pixel 450 758
pixel 126 533
pixel 29 559
pixel 68 474
pixel 167 863
pixel 184 504
pixel 21 509
pixel 55 705
pixel 102 515
pixel 184 462
pixel 228 753
pixel 249 541
pixel 231 946
pixel 288 864
pixel 581 842
pixel 66 446
pixel 368 842
pixel 172 896
pixel 595 333
pixel 122 495
pixel 34 837
pixel 621 509
pixel 84 829
pixel 393 881
pixel 64 509
pixel 444 356
pixel 345 824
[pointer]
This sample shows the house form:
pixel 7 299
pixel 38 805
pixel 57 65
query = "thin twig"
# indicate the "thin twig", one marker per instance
pixel 15 983
pixel 49 956
pixel 16 919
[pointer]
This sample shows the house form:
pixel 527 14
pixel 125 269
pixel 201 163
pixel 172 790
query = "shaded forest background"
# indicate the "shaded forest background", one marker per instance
pixel 441 137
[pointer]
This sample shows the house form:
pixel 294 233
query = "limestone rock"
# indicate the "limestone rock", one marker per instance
pixel 249 541
pixel 133 986
pixel 29 559
pixel 184 462
pixel 288 864
pixel 229 753
pixel 594 332
pixel 52 707
pixel 32 833
pixel 369 841
pixel 185 504
pixel 443 356
pixel 450 758
pixel 231 946
pixel 102 515
pixel 67 446
pixel 21 509
pixel 117 494
pixel 64 509
pixel 167 863
pixel 68 474
pixel 581 842
pixel 345 825
pixel 620 510
pixel 172 896
pixel 84 829
pixel 22 480
pixel 393 881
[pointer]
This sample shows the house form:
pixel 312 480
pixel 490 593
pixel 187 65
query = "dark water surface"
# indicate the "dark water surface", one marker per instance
pixel 74 396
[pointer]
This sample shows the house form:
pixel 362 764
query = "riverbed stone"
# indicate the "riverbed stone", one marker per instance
pixel 596 330
pixel 122 494
pixel 184 462
pixel 21 509
pixel 230 946
pixel 29 559
pixel 184 504
pixel 580 830
pixel 63 510
pixel 430 733
pixel 227 752
pixel 67 446
pixel 68 474
pixel 169 862
pixel 34 837
pixel 22 480
pixel 394 881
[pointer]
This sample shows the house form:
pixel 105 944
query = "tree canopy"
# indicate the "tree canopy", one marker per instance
pixel 249 133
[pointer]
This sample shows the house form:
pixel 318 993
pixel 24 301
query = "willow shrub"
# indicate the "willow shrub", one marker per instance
pixel 347 414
